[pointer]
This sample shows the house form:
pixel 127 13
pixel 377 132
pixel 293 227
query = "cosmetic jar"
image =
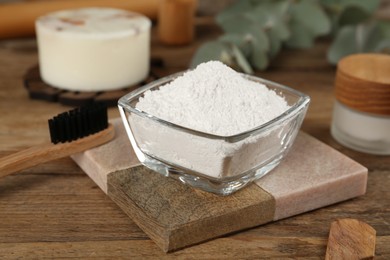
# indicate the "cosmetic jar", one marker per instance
pixel 93 49
pixel 361 115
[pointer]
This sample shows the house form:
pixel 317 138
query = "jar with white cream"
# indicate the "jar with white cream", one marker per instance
pixel 361 116
pixel 93 49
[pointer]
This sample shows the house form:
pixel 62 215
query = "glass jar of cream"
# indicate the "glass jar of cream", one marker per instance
pixel 361 115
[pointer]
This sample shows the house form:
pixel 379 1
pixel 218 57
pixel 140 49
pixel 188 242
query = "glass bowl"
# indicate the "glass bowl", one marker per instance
pixel 217 164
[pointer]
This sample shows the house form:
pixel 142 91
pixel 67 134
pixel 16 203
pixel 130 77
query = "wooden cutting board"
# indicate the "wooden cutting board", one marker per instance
pixel 175 216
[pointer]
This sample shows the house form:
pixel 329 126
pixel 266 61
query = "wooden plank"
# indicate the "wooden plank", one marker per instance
pixel 59 207
pixel 239 246
pixel 175 215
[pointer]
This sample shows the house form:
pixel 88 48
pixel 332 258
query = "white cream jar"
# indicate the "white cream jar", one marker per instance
pixel 361 116
pixel 93 49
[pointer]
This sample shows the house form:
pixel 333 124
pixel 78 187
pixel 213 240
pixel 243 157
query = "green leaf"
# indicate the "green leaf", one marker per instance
pixel 368 5
pixel 384 26
pixel 259 59
pixel 280 8
pixel 308 13
pixel 237 8
pixel 281 30
pixel 259 38
pixel 260 15
pixel 270 15
pixel 213 50
pixel 376 38
pixel 256 30
pixel 275 43
pixel 383 46
pixel 353 15
pixel 300 37
pixel 344 44
pixel 239 40
pixel 241 60
pixel 367 37
pixel 227 58
pixel 371 36
pixel 237 24
pixel 338 5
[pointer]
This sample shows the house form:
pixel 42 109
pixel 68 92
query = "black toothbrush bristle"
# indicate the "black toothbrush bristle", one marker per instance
pixel 78 123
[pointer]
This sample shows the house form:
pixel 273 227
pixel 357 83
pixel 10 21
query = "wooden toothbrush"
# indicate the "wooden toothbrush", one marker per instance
pixel 70 132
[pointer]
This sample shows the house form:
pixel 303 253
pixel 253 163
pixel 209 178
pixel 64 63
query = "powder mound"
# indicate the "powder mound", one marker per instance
pixel 215 99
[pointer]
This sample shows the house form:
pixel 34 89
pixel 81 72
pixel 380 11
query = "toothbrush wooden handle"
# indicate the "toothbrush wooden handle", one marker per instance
pixel 47 152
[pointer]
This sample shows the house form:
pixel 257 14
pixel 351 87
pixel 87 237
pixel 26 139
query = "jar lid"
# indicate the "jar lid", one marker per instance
pixel 363 83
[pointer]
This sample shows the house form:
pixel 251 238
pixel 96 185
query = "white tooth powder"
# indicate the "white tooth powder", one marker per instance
pixel 215 99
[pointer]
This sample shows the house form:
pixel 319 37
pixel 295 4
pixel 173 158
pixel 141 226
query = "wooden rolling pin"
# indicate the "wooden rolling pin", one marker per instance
pixel 17 19
pixel 176 21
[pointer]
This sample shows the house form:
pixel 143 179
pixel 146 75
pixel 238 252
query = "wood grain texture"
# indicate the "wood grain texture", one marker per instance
pixel 47 152
pixel 363 83
pixel 350 239
pixel 64 214
pixel 176 216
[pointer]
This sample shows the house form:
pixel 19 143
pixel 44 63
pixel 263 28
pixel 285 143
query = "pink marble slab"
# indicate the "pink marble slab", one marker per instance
pixel 313 174
pixel 114 156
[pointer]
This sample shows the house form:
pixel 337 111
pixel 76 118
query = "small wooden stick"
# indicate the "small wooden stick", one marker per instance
pixel 350 239
pixel 48 152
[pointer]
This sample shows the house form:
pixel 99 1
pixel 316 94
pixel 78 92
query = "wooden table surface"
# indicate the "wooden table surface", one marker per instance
pixel 55 211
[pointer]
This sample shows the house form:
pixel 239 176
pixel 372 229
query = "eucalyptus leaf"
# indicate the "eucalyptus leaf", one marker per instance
pixel 259 59
pixel 353 15
pixel 227 57
pixel 280 7
pixel 300 37
pixel 281 30
pixel 271 15
pixel 241 60
pixel 237 24
pixel 372 37
pixel 213 50
pixel 275 43
pixel 369 5
pixel 259 38
pixel 338 5
pixel 255 31
pixel 344 44
pixel 383 46
pixel 242 42
pixel 237 8
pixel 366 37
pixel 384 26
pixel 260 15
pixel 309 14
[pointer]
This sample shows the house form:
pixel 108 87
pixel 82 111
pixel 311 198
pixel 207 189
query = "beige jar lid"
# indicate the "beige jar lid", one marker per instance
pixel 363 83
